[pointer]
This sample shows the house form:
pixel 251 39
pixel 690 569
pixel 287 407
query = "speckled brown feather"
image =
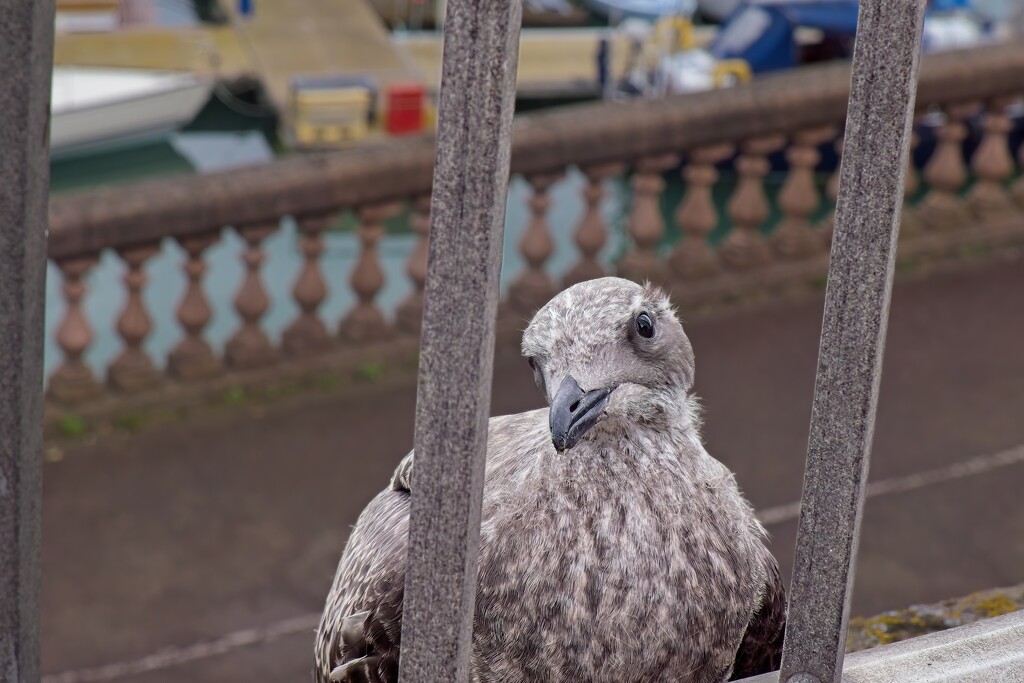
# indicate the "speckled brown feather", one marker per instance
pixel 630 556
pixel 761 648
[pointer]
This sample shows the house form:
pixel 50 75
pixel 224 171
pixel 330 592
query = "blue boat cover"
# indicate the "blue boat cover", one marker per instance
pixel 761 32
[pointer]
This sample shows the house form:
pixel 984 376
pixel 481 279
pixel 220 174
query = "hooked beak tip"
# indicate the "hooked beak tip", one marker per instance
pixel 573 412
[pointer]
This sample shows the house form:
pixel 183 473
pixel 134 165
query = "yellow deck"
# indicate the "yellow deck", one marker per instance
pixel 552 62
pixel 306 37
pixel 287 38
pixel 293 37
pixel 215 51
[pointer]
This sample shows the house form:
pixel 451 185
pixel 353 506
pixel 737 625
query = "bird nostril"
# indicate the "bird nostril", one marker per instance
pixel 574 406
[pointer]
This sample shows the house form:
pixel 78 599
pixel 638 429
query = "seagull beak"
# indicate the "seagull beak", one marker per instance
pixel 574 412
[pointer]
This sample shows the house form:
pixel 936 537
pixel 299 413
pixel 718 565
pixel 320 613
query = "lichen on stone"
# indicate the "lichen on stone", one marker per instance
pixel 896 625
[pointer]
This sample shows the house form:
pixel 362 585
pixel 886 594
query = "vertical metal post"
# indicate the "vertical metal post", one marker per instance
pixel 878 124
pixel 457 350
pixel 26 67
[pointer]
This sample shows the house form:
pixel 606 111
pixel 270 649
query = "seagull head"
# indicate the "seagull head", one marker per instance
pixel 608 352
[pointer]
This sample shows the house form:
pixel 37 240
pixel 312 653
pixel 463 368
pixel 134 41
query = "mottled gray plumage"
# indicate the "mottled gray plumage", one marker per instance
pixel 630 555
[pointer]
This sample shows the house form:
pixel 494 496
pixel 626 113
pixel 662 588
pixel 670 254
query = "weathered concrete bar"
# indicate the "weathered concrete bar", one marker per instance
pixel 26 53
pixel 876 147
pixel 457 348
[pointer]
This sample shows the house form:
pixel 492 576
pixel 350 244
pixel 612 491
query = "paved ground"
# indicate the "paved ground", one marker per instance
pixel 190 537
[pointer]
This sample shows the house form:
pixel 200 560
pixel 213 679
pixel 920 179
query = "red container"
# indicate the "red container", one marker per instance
pixel 405 108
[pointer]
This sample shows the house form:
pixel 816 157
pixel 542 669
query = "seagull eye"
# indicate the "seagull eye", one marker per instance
pixel 645 326
pixel 538 376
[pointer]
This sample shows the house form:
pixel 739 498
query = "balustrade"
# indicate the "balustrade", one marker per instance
pixel 910 224
pixel 697 216
pixel 799 198
pixel 73 380
pixel 534 287
pixel 250 346
pixel 133 370
pixel 409 316
pixel 832 192
pixel 646 225
pixel 720 234
pixel 308 333
pixel 992 165
pixel 193 358
pixel 1017 188
pixel 365 322
pixel 745 247
pixel 592 233
pixel 946 174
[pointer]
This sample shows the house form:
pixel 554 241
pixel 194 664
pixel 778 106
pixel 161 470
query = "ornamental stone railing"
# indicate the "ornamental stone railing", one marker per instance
pixel 967 194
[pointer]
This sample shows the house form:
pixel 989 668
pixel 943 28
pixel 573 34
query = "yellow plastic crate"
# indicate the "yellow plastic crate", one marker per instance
pixel 342 97
pixel 331 116
pixel 320 134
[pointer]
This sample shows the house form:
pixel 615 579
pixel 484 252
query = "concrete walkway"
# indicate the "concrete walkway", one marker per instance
pixel 203 552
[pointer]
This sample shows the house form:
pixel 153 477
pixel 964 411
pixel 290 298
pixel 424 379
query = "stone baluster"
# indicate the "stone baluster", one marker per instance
pixel 592 234
pixel 745 247
pixel 1017 187
pixel 73 381
pixel 828 223
pixel 697 217
pixel 365 322
pixel 192 358
pixel 992 165
pixel 307 333
pixel 133 370
pixel 646 225
pixel 909 222
pixel 946 173
pixel 409 316
pixel 249 346
pixel 534 287
pixel 799 199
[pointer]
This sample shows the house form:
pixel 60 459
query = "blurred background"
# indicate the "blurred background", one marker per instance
pixel 239 214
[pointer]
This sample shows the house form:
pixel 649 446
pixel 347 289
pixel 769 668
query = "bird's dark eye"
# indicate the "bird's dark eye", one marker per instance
pixel 538 376
pixel 645 326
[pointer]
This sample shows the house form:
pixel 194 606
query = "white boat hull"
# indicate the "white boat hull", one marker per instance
pixel 100 109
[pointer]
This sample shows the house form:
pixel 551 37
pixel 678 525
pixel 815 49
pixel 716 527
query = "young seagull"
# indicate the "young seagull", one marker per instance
pixel 613 547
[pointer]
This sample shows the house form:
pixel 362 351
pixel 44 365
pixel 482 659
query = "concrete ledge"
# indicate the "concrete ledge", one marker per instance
pixel 582 135
pixel 899 625
pixel 983 651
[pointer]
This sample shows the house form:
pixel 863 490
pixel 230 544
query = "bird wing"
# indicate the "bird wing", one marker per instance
pixel 359 638
pixel 761 648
